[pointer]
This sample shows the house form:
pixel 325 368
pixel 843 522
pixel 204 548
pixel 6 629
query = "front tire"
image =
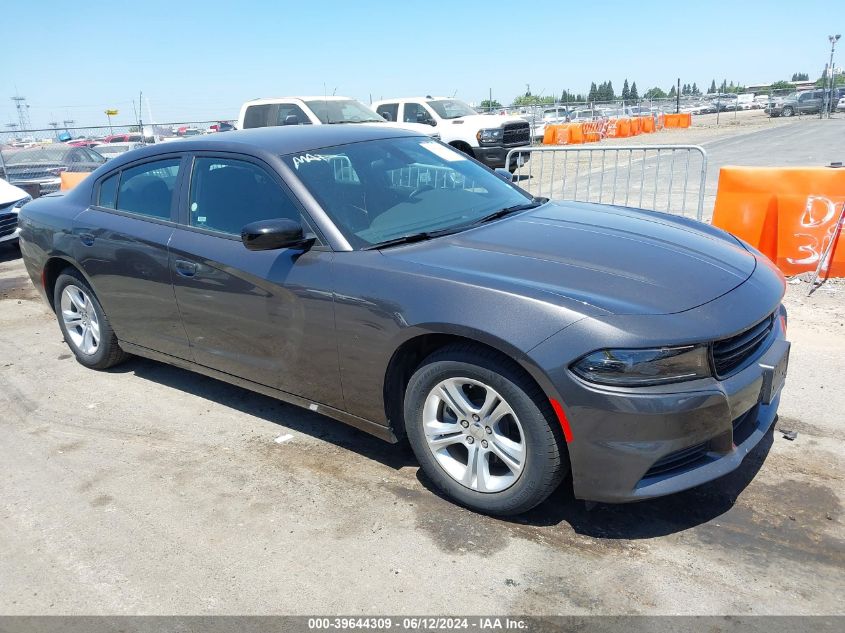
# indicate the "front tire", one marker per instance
pixel 787 111
pixel 483 432
pixel 84 324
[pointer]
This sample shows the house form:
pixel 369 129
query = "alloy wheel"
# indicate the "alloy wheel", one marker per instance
pixel 474 434
pixel 80 319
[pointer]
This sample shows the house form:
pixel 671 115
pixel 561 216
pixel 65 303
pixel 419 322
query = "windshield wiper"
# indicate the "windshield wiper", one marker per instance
pixel 412 237
pixel 535 202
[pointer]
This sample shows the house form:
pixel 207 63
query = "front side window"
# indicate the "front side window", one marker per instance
pixel 226 195
pixel 416 113
pixel 381 190
pixel 288 110
pixel 148 189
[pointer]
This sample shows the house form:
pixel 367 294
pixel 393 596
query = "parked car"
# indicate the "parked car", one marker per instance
pixel 840 106
pixel 804 102
pixel 85 142
pixel 384 279
pixel 333 110
pixel 110 150
pixel 487 138
pixel 43 165
pixel 131 137
pixel 588 115
pixel 11 200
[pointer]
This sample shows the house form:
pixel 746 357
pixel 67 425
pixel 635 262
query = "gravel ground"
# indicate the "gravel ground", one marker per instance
pixel 148 489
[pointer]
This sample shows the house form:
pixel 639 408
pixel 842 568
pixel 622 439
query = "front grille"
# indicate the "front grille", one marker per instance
pixel 517 133
pixel 731 353
pixel 679 460
pixel 8 223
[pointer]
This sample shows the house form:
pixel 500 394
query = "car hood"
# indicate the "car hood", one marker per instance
pixel 616 260
pixel 10 193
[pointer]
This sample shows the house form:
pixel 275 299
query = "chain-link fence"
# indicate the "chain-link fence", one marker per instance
pixel 36 159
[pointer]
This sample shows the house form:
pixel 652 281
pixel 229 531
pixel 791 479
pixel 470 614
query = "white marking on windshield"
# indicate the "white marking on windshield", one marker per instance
pixel 445 153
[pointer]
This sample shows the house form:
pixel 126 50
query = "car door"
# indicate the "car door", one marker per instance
pixel 122 247
pixel 266 316
pixel 413 112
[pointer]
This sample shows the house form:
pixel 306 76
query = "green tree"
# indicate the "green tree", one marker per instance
pixel 695 91
pixel 712 89
pixel 591 96
pixel 672 92
pixel 655 93
pixel 634 95
pixel 490 105
pixel 724 86
pixel 781 85
pixel 800 77
pixel 626 91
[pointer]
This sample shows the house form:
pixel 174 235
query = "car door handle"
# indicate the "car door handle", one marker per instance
pixel 87 239
pixel 186 269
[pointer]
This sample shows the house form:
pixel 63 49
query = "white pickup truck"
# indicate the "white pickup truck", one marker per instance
pixel 486 137
pixel 315 111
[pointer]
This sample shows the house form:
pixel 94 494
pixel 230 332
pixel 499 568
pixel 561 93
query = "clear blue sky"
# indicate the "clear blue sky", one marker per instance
pixel 201 60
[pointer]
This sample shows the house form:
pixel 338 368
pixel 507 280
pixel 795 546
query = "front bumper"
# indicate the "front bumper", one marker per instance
pixel 11 237
pixel 495 155
pixel 630 444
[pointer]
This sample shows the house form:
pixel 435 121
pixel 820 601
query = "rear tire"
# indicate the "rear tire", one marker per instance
pixel 84 324
pixel 483 432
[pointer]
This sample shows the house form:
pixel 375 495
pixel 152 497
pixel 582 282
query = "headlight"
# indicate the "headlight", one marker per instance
pixel 642 367
pixel 490 135
pixel 17 206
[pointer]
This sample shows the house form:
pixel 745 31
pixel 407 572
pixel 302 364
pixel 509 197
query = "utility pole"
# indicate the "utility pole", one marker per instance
pixel 828 99
pixel 678 97
pixel 23 112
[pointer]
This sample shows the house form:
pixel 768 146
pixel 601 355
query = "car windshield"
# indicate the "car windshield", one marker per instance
pixel 451 108
pixel 377 191
pixel 343 111
pixel 36 155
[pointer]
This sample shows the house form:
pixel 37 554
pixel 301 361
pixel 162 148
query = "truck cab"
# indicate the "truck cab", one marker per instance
pixel 486 137
pixel 315 111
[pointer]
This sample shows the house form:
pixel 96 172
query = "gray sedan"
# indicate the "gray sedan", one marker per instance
pixel 388 281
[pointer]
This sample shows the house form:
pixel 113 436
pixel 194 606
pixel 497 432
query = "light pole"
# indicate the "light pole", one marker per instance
pixel 828 100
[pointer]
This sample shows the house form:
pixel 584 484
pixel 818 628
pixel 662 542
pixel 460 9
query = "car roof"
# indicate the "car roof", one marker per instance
pixel 288 139
pixel 265 100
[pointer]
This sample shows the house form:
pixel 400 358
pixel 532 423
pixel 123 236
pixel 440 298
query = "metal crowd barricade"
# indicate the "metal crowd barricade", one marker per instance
pixel 668 178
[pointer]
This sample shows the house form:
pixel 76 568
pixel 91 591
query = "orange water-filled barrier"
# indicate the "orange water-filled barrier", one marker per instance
pixel 647 123
pixel 71 178
pixel 790 214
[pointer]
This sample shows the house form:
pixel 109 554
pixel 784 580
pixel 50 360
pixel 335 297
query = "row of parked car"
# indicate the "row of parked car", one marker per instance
pixel 807 102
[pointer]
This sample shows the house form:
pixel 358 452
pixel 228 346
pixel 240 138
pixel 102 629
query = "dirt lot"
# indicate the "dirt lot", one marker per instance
pixel 148 489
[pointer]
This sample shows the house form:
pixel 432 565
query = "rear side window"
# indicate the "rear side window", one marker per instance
pixel 258 115
pixel 389 111
pixel 226 195
pixel 107 196
pixel 148 189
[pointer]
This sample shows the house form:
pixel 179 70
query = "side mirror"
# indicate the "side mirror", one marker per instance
pixel 504 174
pixel 291 119
pixel 268 235
pixel 432 122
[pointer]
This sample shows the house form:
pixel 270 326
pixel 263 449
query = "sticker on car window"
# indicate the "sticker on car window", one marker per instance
pixel 445 153
pixel 307 158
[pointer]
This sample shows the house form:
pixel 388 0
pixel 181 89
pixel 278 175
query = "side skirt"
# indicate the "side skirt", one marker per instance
pixel 380 431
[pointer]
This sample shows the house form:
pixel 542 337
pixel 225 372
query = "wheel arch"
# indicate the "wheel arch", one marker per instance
pixel 53 267
pixel 418 346
pixel 463 146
